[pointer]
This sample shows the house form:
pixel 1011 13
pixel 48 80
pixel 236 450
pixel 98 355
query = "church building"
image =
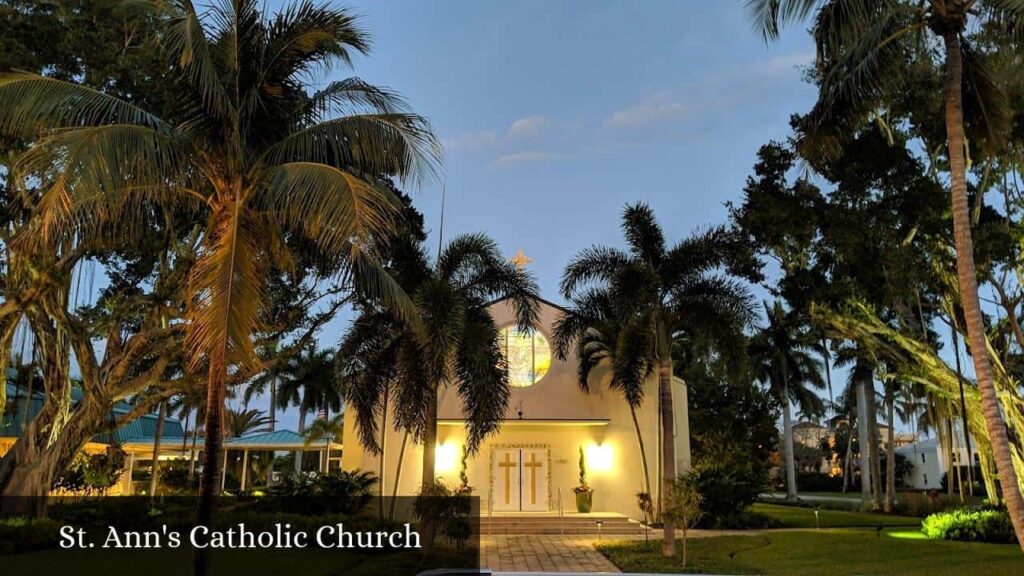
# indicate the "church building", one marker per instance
pixel 532 464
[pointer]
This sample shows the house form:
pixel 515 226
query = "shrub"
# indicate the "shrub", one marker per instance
pixel 818 482
pixel 726 491
pixel 970 525
pixel 979 484
pixel 22 535
pixel 340 492
pixel 174 477
pixel 451 511
pixel 921 504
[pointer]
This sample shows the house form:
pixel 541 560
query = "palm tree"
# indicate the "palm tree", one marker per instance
pixel 861 48
pixel 782 356
pixel 264 157
pixel 242 422
pixel 665 295
pixel 310 382
pixel 593 325
pixel 456 344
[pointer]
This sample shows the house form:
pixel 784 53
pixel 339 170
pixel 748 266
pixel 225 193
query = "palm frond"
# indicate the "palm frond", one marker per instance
pixel 769 16
pixel 330 206
pixel 101 174
pixel 227 284
pixel 643 234
pixel 306 37
pixel 400 144
pixel 33 102
pixel 593 264
pixel 482 378
pixel 354 96
pixel 986 106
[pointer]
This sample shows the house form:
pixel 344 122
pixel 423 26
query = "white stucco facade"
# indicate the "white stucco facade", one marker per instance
pixel 546 426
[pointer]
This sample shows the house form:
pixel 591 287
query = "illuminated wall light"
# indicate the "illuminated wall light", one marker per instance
pixel 446 458
pixel 599 458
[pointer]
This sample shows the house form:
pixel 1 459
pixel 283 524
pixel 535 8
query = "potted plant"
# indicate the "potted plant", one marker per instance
pixel 584 493
pixel 464 488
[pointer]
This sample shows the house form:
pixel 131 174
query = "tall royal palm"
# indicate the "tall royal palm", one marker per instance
pixel 594 326
pixel 266 158
pixel 861 46
pixel 456 344
pixel 662 295
pixel 783 357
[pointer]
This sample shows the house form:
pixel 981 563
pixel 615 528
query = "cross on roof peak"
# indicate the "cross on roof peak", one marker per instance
pixel 520 259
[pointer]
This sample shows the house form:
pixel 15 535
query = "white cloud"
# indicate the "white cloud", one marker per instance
pixel 522 158
pixel 474 139
pixel 526 127
pixel 645 113
pixel 520 129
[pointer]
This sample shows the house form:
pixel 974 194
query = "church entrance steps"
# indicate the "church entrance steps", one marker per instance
pixel 551 523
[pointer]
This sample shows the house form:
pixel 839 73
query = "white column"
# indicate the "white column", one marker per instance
pixel 245 466
pixel 224 470
pixel 131 467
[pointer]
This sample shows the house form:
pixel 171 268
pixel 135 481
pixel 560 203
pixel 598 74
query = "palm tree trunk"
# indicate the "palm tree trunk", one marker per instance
pixel 302 430
pixel 963 407
pixel 848 459
pixel 954 451
pixel 430 440
pixel 643 452
pixel 668 445
pixel 271 426
pixel 184 433
pixel 890 455
pixel 863 434
pixel 873 451
pixel 787 435
pixel 398 475
pixel 967 277
pixel 383 450
pixel 154 477
pixel 192 456
pixel 210 482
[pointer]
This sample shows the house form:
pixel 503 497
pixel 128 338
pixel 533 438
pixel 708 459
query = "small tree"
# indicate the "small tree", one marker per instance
pixel 682 506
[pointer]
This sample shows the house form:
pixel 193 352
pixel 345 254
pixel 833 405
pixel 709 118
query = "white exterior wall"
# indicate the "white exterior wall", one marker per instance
pixel 600 422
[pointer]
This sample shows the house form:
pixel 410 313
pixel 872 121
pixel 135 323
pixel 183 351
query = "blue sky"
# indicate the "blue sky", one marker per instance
pixel 555 115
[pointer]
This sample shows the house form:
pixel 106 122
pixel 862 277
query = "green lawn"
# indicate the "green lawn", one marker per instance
pixel 841 552
pixel 797 517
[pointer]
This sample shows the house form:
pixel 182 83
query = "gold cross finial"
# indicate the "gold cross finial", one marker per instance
pixel 520 259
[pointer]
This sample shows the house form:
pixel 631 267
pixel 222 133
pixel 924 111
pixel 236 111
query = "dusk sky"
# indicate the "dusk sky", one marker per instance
pixel 555 115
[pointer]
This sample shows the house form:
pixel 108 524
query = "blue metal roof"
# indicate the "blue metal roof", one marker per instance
pixel 277 437
pixel 141 429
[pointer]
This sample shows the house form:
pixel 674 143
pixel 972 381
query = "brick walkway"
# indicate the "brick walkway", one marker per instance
pixel 557 553
pixel 543 553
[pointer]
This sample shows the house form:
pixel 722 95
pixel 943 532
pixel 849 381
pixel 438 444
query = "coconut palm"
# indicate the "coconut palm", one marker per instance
pixel 862 47
pixel 665 295
pixel 783 357
pixel 456 345
pixel 264 157
pixel 593 325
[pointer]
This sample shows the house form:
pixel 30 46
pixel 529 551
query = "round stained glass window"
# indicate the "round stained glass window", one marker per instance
pixel 528 356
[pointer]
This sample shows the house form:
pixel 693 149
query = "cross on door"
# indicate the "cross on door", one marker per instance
pixel 508 464
pixel 519 479
pixel 533 465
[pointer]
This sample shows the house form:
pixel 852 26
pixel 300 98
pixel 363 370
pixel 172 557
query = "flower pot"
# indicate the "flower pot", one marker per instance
pixel 584 501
